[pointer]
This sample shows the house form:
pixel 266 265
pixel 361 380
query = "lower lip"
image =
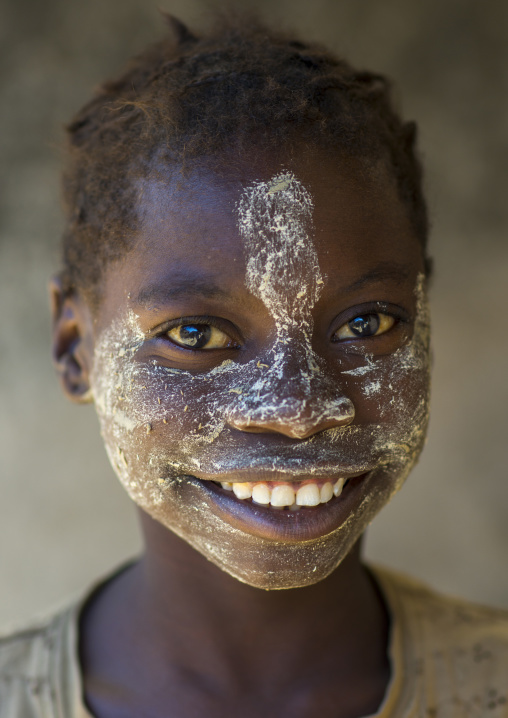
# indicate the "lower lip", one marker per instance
pixel 268 522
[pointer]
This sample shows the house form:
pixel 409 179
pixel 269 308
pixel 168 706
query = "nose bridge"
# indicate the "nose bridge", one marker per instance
pixel 290 394
pixel 294 368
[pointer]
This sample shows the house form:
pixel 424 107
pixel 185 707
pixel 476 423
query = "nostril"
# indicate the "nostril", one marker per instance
pixel 296 419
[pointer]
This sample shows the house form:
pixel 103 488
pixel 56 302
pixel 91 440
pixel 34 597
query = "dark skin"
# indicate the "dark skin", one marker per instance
pixel 174 634
pixel 197 656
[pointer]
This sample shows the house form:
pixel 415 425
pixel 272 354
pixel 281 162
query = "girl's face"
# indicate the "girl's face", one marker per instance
pixel 269 331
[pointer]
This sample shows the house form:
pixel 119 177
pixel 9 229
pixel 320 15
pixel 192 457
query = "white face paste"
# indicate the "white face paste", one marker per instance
pixel 275 222
pixel 161 425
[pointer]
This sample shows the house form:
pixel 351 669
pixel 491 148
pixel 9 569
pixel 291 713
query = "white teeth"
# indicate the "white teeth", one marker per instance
pixel 326 492
pixel 261 494
pixel 308 495
pixel 282 495
pixel 242 490
pixel 338 486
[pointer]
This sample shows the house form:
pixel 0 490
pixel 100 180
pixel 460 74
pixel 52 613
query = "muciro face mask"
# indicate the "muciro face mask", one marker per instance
pixel 172 435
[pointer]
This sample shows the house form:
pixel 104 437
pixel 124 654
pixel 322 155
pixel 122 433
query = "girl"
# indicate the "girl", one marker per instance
pixel 244 299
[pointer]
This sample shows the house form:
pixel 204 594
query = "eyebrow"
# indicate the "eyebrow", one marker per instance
pixel 155 295
pixel 382 272
pixel 197 285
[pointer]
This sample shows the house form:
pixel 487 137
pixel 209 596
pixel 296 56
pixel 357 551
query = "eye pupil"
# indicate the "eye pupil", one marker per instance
pixel 365 325
pixel 195 335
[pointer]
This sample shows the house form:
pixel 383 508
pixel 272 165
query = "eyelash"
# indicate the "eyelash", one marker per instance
pixel 162 332
pixel 383 318
pixel 397 314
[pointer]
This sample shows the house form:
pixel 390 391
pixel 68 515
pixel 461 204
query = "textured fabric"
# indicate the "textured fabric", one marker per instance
pixel 449 656
pixel 39 670
pixel 449 660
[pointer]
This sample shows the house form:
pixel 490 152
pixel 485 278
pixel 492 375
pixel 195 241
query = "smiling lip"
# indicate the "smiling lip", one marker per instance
pixel 282 524
pixel 289 475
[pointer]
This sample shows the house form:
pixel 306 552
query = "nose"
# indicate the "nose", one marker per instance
pixel 291 419
pixel 290 398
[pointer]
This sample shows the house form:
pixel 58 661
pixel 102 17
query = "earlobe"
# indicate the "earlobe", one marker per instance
pixel 71 342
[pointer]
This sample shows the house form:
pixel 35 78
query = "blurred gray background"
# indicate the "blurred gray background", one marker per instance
pixel 63 518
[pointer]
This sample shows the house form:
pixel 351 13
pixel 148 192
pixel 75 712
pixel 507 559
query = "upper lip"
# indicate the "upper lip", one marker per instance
pixel 257 474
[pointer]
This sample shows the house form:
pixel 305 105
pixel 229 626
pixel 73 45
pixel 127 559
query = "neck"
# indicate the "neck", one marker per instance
pixel 182 594
pixel 175 619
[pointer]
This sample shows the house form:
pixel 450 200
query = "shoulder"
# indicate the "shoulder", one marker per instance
pixel 459 617
pixel 458 649
pixel 39 664
pixel 36 675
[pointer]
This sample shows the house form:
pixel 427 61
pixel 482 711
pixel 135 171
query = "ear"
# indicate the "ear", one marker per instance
pixel 72 342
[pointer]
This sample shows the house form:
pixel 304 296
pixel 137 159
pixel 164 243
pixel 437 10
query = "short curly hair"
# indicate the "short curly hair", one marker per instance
pixel 190 96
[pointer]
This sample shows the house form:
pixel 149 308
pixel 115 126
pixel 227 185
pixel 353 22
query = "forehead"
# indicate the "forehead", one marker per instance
pixel 201 208
pixel 189 225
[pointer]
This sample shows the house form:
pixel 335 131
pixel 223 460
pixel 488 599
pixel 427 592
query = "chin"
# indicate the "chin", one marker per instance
pixel 273 565
pixel 253 551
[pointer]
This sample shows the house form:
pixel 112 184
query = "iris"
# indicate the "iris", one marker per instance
pixel 194 335
pixel 365 325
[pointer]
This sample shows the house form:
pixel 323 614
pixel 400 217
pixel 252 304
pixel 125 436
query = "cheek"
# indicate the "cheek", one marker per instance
pixel 395 401
pixel 156 422
pixel 392 395
pixel 393 390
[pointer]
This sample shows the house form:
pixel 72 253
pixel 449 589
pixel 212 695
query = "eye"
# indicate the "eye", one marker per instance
pixel 364 325
pixel 199 336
